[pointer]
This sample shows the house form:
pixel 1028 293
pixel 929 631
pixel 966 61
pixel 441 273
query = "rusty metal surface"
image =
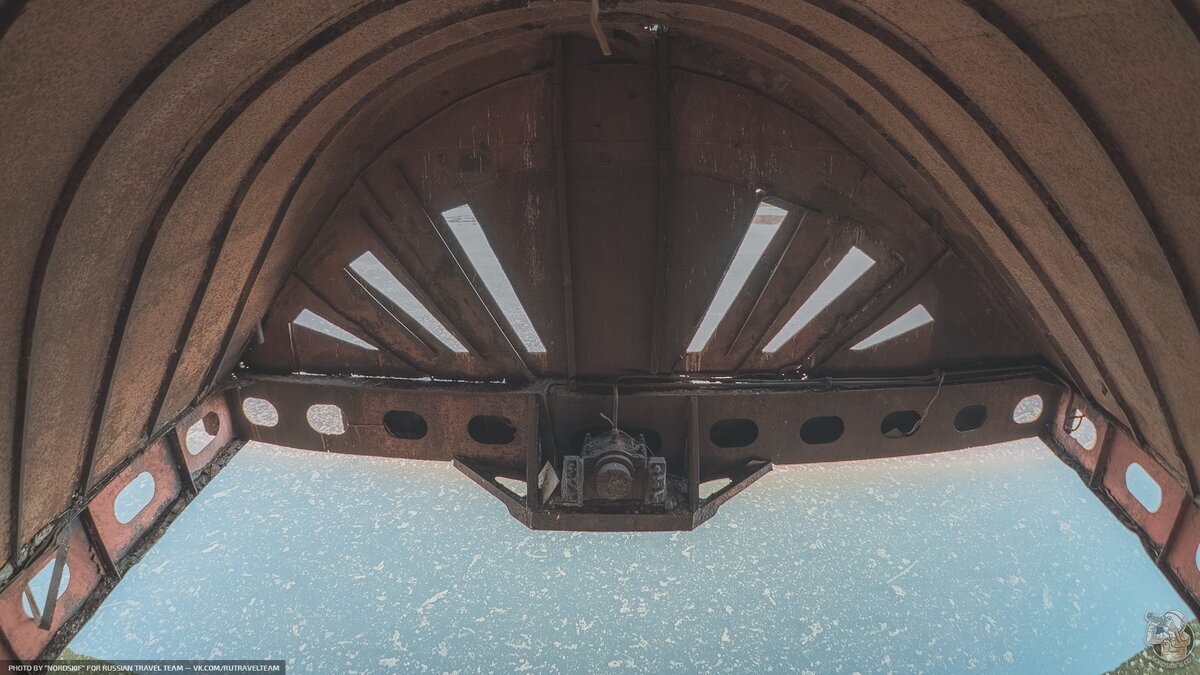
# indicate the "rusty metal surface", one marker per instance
pixel 967 321
pixel 446 411
pixel 99 547
pixel 22 633
pixel 779 410
pixel 224 433
pixel 118 538
pixel 1005 163
pixel 1171 533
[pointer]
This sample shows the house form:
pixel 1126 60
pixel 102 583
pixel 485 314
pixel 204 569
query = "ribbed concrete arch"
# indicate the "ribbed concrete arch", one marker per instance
pixel 167 166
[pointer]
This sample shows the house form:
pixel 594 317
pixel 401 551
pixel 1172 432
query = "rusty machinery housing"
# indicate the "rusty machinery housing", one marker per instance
pixel 615 467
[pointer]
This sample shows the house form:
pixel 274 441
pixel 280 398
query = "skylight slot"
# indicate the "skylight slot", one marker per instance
pixel 313 321
pixel 368 267
pixel 911 320
pixel 469 234
pixel 849 270
pixel 758 236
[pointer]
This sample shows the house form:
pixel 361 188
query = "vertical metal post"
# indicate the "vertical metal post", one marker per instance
pixel 693 462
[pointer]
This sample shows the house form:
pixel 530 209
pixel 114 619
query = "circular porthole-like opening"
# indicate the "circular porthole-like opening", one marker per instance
pixel 1028 410
pixel 405 425
pixel 822 430
pixel 326 419
pixel 733 433
pixel 260 412
pixel 970 418
pixel 202 432
pixel 491 430
pixel 900 423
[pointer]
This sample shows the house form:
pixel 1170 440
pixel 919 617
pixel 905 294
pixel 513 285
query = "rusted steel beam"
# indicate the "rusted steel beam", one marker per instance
pixel 562 194
pixel 116 538
pixel 791 226
pixel 693 456
pixel 93 534
pixel 394 418
pixel 28 637
pixel 662 204
pixel 60 561
pixel 371 335
pixel 738 482
pixel 776 410
pixel 485 477
pixel 97 547
pixel 71 625
pixel 178 457
pixel 458 256
pixel 1170 534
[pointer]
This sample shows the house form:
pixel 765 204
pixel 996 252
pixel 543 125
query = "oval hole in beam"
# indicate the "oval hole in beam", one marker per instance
pixel 900 423
pixel 133 498
pixel 405 425
pixel 970 418
pixel 822 430
pixel 1085 430
pixel 260 412
pixel 733 433
pixel 326 419
pixel 202 432
pixel 1143 487
pixel 491 430
pixel 1028 410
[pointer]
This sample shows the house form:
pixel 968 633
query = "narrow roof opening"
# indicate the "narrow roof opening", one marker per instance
pixel 313 321
pixel 909 321
pixel 759 235
pixel 851 267
pixel 470 236
pixel 375 275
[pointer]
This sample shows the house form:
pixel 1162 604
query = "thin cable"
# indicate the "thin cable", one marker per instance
pixel 616 405
pixel 925 412
pixel 600 36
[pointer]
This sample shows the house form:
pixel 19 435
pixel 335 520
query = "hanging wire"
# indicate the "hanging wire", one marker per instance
pixel 925 412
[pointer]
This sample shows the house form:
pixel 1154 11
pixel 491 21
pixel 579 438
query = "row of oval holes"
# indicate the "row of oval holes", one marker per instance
pixel 730 433
pixel 739 433
pixel 129 504
pixel 1138 481
pixel 329 420
pixel 137 495
pixel 495 430
pixel 131 501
